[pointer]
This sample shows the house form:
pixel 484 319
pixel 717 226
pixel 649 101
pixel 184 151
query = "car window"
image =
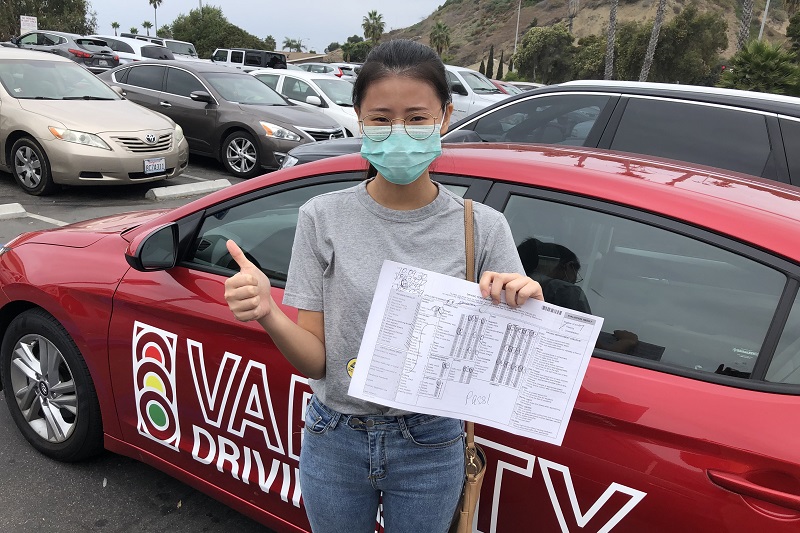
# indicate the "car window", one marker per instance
pixel 157 52
pixel 52 80
pixel 710 135
pixel 785 364
pixel 340 91
pixel 270 80
pixel 221 55
pixel 554 119
pixel 252 58
pixel 119 46
pixel 30 39
pixel 791 140
pixel 121 76
pixel 49 40
pixel 237 57
pixel 264 229
pixel 479 83
pixel 177 47
pixel 452 78
pixel 297 89
pixel 182 83
pixel 320 69
pixel 664 296
pixel 146 76
pixel 242 88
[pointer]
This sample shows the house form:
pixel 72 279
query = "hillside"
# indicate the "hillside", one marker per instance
pixel 477 24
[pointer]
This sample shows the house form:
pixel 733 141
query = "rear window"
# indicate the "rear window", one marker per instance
pixel 157 52
pixel 119 46
pixel 186 49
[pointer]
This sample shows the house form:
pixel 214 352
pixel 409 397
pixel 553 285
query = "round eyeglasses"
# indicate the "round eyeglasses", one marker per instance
pixel 418 126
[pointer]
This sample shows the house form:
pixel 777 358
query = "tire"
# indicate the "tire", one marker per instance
pixel 48 389
pixel 31 168
pixel 240 155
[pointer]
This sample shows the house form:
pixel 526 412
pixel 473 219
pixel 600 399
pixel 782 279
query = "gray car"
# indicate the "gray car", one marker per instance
pixel 225 113
pixel 94 54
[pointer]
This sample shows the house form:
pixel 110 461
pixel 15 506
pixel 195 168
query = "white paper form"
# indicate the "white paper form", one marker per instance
pixel 433 345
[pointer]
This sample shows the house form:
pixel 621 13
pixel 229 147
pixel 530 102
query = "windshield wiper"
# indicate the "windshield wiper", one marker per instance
pixel 37 98
pixel 87 97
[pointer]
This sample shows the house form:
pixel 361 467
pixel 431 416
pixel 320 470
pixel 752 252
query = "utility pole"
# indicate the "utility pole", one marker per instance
pixel 763 20
pixel 516 34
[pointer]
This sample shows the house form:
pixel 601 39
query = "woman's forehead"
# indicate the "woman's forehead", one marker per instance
pixel 400 94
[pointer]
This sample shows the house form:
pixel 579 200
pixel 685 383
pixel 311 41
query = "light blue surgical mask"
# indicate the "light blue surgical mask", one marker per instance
pixel 400 158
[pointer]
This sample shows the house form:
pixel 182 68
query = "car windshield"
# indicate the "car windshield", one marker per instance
pixel 52 80
pixel 186 49
pixel 479 83
pixel 340 91
pixel 243 88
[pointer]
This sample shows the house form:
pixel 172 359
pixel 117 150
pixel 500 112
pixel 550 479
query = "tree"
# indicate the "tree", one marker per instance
pixel 744 24
pixel 269 42
pixel 333 46
pixel 208 29
pixel 165 31
pixel 490 63
pixel 440 37
pixel 544 54
pixel 156 4
pixel 651 46
pixel 500 67
pixel 115 25
pixel 293 45
pixel 611 39
pixel 355 39
pixel 134 30
pixel 357 52
pixel 147 25
pixel 74 16
pixel 630 49
pixel 588 58
pixel 793 32
pixel 511 64
pixel 373 25
pixel 764 67
pixel 482 68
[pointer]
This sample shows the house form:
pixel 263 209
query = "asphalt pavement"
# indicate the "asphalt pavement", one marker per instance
pixel 109 493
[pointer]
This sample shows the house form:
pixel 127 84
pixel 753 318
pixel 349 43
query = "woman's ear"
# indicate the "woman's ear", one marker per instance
pixel 448 111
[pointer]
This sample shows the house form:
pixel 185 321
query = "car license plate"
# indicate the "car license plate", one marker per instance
pixel 103 63
pixel 151 166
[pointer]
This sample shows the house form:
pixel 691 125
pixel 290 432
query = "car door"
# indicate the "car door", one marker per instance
pixel 144 85
pixel 198 119
pixel 790 134
pixel 462 103
pixel 675 427
pixel 32 41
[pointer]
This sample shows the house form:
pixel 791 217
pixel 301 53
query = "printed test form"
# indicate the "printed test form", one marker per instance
pixel 433 345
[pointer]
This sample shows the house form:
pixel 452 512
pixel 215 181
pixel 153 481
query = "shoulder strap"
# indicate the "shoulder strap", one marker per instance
pixel 469 241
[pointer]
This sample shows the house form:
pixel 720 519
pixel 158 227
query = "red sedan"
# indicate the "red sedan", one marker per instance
pixel 686 420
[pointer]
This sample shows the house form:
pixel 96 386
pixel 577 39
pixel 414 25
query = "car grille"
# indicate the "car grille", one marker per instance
pixel 323 134
pixel 142 175
pixel 138 144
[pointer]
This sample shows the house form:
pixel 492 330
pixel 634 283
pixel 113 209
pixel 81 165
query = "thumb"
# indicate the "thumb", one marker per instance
pixel 238 255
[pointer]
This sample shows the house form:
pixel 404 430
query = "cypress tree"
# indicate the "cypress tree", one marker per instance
pixel 511 64
pixel 490 63
pixel 500 67
pixel 482 68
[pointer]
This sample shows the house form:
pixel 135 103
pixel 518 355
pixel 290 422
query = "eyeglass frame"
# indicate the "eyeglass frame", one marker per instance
pixel 393 120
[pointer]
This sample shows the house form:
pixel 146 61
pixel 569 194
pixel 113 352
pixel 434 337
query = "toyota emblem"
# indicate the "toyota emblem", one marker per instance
pixel 150 138
pixel 332 136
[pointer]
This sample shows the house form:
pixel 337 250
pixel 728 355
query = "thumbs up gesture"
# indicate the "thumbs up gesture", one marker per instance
pixel 247 292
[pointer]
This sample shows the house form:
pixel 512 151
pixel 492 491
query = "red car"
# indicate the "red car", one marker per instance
pixel 686 420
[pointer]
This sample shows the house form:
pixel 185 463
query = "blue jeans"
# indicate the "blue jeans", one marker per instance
pixel 413 464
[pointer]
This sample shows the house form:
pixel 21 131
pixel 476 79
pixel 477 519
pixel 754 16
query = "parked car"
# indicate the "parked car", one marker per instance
pixel 471 91
pixel 61 125
pixel 330 96
pixel 130 50
pixel 349 70
pixel 526 85
pixel 225 113
pixel 506 87
pixel 183 50
pixel 322 68
pixel 248 59
pixel 697 414
pixel 92 53
pixel 744 131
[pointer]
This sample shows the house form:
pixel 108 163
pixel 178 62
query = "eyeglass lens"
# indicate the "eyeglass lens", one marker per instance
pixel 418 126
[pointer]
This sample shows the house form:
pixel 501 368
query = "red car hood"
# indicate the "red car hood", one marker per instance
pixel 87 232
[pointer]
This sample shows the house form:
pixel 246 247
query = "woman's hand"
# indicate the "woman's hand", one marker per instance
pixel 518 288
pixel 248 291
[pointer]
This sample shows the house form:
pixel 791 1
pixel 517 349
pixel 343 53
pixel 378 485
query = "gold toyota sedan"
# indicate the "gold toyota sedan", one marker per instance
pixel 61 125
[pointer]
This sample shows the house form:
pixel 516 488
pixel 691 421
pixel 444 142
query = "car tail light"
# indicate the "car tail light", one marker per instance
pixel 338 72
pixel 116 58
pixel 80 53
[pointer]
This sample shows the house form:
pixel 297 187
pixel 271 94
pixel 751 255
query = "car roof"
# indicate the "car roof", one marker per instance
pixel 304 74
pixel 61 33
pixel 250 50
pixel 133 42
pixel 680 191
pixel 33 55
pixel 192 66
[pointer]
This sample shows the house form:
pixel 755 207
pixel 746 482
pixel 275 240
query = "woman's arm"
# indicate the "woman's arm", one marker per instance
pixel 249 298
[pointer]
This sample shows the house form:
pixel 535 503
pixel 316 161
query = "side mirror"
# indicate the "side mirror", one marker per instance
pixel 119 90
pixel 459 89
pixel 201 96
pixel 14 40
pixel 314 100
pixel 156 251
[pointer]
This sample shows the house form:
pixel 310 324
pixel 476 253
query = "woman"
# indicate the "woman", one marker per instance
pixel 356 454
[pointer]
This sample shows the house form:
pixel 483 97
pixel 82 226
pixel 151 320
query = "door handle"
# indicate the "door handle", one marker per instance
pixel 740 485
pixel 165 104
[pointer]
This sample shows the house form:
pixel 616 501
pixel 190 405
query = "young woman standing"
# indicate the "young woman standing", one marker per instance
pixel 356 454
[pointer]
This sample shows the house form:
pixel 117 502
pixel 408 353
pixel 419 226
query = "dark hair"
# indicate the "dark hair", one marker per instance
pixel 402 57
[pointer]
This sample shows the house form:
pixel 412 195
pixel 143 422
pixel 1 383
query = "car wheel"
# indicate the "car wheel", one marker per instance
pixel 240 155
pixel 48 388
pixel 31 167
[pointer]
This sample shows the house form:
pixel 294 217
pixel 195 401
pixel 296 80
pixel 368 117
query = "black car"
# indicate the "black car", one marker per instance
pixel 749 132
pixel 94 54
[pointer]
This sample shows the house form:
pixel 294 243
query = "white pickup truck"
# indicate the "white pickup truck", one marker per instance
pixel 471 90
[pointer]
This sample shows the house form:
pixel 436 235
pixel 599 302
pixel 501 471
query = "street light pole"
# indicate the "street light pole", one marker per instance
pixel 763 20
pixel 516 34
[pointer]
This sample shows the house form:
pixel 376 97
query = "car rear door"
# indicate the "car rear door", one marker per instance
pixel 144 85
pixel 675 427
pixel 198 119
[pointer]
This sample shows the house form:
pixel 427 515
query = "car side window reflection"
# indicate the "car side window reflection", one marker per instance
pixel 785 364
pixel 557 119
pixel 263 228
pixel 182 83
pixel 270 80
pixel 146 77
pixel 664 296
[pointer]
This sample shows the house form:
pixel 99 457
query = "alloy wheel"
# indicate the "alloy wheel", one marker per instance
pixel 241 155
pixel 28 166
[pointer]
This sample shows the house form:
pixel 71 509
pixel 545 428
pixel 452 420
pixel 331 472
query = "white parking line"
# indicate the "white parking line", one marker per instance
pixel 48 220
pixel 193 177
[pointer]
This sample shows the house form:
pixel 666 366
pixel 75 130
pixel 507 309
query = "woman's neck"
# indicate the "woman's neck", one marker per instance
pixel 415 195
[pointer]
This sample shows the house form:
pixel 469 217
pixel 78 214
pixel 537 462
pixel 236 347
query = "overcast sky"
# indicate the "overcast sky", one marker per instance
pixel 316 22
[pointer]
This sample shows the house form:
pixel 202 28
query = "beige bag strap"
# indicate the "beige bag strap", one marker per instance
pixel 469 241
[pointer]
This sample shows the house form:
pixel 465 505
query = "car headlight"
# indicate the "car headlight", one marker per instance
pixel 78 137
pixel 289 161
pixel 277 132
pixel 178 133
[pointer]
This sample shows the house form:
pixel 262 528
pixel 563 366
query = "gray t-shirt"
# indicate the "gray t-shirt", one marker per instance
pixel 342 239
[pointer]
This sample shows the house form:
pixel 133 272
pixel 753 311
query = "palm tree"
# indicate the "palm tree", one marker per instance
pixel 651 46
pixel 373 25
pixel 147 25
pixel 611 38
pixel 440 37
pixel 134 30
pixel 293 45
pixel 156 4
pixel 763 67
pixel 744 26
pixel 115 25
